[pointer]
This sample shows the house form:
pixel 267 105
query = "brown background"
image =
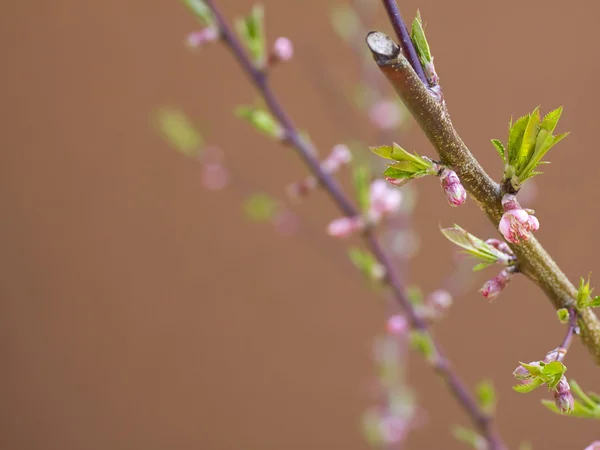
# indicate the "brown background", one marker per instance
pixel 140 311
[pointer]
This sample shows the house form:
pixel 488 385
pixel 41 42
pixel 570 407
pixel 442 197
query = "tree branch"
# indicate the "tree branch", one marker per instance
pixel 431 114
pixel 480 419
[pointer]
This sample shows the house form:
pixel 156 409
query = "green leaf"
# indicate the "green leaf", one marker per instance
pixel 579 410
pixel 469 437
pixel 201 10
pixel 563 315
pixel 529 138
pixel 533 369
pixel 525 445
pixel 473 245
pixel 361 177
pixel 515 138
pixel 177 129
pixel 586 400
pixel 486 396
pixel 500 148
pixel 551 119
pixel 251 31
pixel 528 387
pixel 396 153
pixel 261 120
pixel 421 341
pixel 420 41
pixel 552 373
pixel 595 303
pixel 260 207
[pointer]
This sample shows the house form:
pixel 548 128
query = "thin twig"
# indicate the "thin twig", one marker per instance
pixel 572 331
pixel 432 115
pixel 481 420
pixel 406 43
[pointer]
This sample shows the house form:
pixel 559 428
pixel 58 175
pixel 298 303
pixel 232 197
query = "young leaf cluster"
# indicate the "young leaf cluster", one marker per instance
pixel 541 373
pixel 586 405
pixel 529 139
pixel 475 247
pixel 584 296
pixel 406 166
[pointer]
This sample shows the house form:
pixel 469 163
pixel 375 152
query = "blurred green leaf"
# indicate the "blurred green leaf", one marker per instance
pixel 486 395
pixel 177 130
pixel 261 120
pixel 201 10
pixel 252 33
pixel 260 207
pixel 362 181
pixel 469 437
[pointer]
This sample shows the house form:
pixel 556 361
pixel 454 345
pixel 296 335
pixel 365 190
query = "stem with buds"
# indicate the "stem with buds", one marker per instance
pixel 480 419
pixel 429 110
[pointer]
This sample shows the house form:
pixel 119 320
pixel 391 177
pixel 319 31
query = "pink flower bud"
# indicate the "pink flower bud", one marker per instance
pixel 555 355
pixel 397 181
pixel 454 190
pixel 386 114
pixel 593 446
pixel 500 245
pixel 397 325
pixel 340 155
pixel 492 288
pixel 393 429
pixel 283 50
pixel 431 73
pixel 516 223
pixel 440 301
pixel 563 399
pixel 201 37
pixel 345 226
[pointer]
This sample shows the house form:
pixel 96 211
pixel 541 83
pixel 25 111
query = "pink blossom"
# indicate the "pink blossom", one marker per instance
pixel 516 223
pixel 454 190
pixel 383 200
pixel 283 50
pixel 345 226
pixel 397 325
pixel 563 399
pixel 214 176
pixel 555 355
pixel 201 37
pixel 593 446
pixel 386 114
pixel 397 181
pixel 492 288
